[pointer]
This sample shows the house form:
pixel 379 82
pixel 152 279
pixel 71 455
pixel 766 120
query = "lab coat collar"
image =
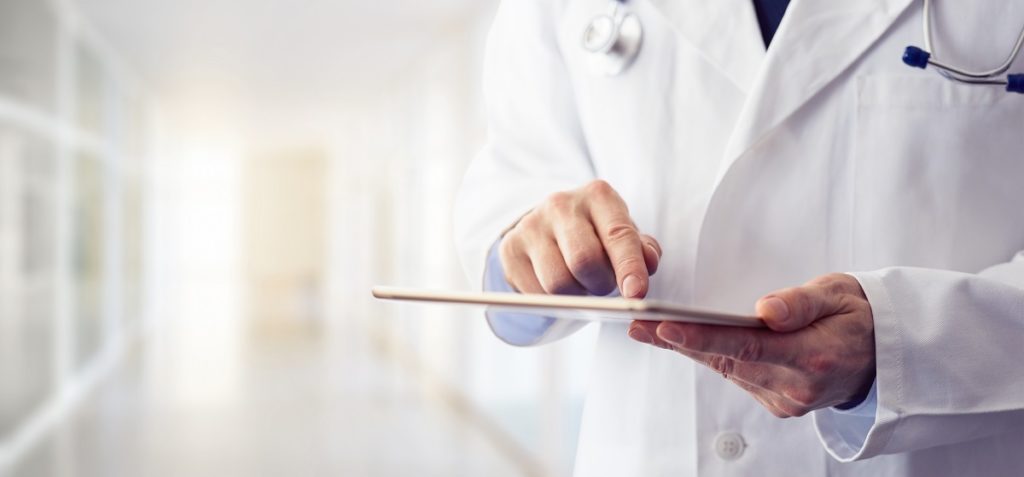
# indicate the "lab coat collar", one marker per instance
pixel 724 31
pixel 817 41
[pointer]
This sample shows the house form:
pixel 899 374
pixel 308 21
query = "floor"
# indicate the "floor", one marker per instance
pixel 226 398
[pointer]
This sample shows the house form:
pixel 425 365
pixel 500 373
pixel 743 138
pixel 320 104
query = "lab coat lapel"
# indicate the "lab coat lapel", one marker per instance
pixel 817 41
pixel 724 31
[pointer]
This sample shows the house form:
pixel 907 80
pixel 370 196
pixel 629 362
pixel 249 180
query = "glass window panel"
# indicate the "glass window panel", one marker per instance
pixel 28 32
pixel 135 132
pixel 38 230
pixel 27 355
pixel 88 256
pixel 27 284
pixel 132 247
pixel 91 91
pixel 39 163
pixel 131 143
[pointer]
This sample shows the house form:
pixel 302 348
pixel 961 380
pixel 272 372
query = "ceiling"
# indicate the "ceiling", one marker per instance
pixel 272 56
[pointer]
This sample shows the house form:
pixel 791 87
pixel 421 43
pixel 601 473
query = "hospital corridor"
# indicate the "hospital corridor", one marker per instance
pixel 195 201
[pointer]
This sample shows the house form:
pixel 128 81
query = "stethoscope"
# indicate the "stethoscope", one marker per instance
pixel 613 39
pixel 921 58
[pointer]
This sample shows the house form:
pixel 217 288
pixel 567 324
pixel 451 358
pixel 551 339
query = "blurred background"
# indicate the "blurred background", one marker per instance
pixel 195 199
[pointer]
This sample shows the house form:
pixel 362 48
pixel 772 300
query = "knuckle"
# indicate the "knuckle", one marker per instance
pixel 619 231
pixel 846 302
pixel 720 364
pixel 556 283
pixel 508 250
pixel 818 393
pixel 791 407
pixel 765 380
pixel 653 243
pixel 797 411
pixel 630 261
pixel 804 304
pixel 852 303
pixel 819 364
pixel 802 396
pixel 750 351
pixel 531 222
pixel 600 188
pixel 584 261
pixel 560 202
pixel 836 285
pixel 820 280
pixel 856 303
pixel 777 412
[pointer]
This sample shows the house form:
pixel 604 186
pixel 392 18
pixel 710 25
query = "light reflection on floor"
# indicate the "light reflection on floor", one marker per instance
pixel 205 397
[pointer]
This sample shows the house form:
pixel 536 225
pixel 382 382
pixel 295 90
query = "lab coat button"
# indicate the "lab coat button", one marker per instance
pixel 729 445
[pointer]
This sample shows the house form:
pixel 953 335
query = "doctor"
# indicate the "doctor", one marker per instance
pixel 716 172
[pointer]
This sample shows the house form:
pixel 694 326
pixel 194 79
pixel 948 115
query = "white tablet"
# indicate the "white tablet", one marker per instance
pixel 572 307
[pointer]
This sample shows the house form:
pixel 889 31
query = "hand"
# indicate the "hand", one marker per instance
pixel 580 242
pixel 819 351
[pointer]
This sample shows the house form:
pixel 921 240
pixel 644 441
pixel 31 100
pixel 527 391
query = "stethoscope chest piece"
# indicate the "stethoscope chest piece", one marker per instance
pixel 613 40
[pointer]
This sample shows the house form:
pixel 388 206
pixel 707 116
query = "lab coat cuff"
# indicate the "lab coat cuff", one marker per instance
pixel 865 430
pixel 844 431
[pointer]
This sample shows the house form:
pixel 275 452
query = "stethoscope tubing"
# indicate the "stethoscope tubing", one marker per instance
pixel 963 75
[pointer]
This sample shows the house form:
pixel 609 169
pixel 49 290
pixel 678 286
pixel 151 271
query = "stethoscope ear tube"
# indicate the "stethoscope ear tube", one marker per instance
pixel 1015 83
pixel 916 57
pixel 920 58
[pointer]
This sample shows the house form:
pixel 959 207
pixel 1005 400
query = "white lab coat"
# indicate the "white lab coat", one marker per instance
pixel 758 171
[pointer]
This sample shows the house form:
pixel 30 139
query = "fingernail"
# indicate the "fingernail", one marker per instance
pixel 654 249
pixel 641 335
pixel 777 309
pixel 631 287
pixel 671 334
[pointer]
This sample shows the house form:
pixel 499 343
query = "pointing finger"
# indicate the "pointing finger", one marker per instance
pixel 621 240
pixel 652 253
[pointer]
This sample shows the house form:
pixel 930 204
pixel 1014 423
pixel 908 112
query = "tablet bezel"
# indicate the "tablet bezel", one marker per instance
pixel 587 308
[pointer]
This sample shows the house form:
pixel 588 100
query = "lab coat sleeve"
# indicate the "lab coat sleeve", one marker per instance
pixel 535 145
pixel 949 348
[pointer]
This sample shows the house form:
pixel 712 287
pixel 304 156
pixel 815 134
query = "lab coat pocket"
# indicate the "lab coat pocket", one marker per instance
pixel 939 174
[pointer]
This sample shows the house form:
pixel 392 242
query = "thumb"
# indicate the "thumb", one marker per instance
pixel 794 308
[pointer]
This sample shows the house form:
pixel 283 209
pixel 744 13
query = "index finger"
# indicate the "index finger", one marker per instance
pixel 741 344
pixel 621 240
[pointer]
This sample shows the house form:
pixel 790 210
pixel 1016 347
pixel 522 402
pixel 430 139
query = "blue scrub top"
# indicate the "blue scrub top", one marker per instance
pixel 769 15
